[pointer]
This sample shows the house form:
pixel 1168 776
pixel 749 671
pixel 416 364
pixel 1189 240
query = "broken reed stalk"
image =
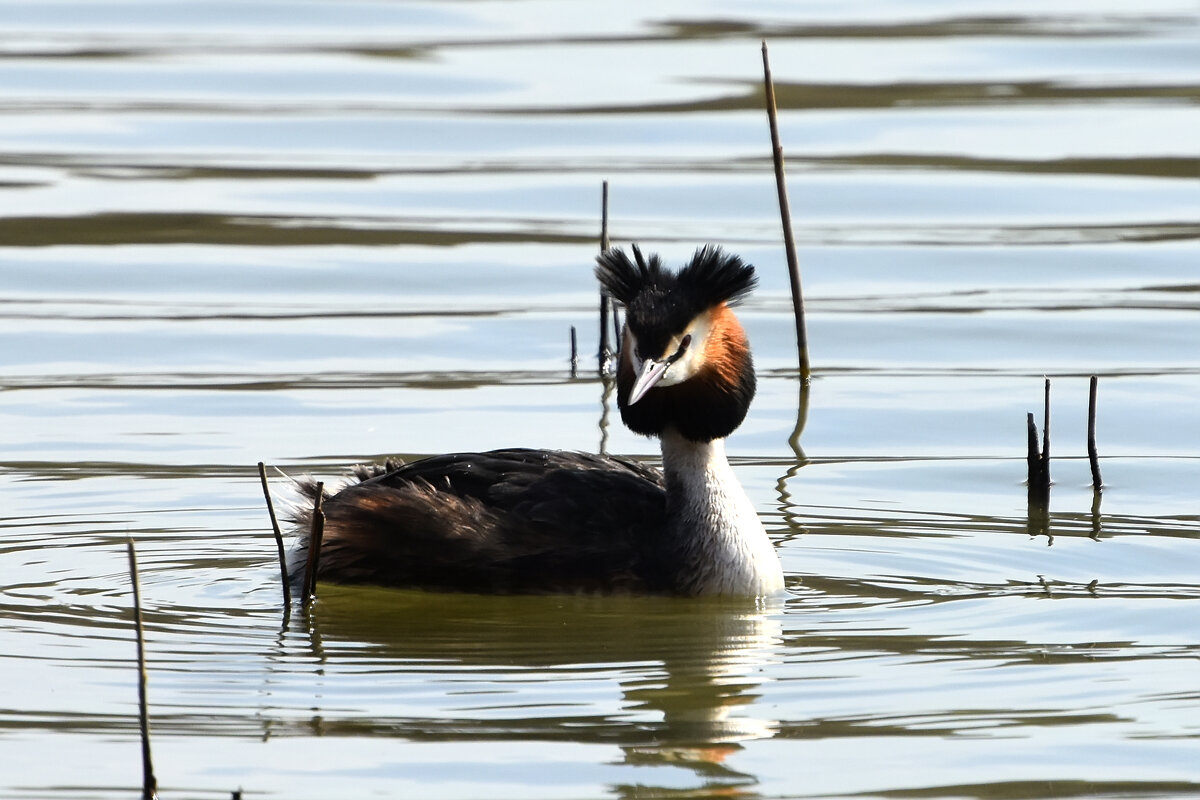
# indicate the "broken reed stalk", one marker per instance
pixel 316 534
pixel 605 351
pixel 604 245
pixel 1033 454
pixel 1039 460
pixel 1046 430
pixel 785 215
pixel 283 571
pixel 1093 456
pixel 149 782
pixel 574 353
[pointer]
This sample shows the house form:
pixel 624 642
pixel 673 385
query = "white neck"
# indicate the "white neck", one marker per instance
pixel 721 541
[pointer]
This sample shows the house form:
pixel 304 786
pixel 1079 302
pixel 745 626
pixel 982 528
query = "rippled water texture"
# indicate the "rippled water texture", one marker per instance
pixel 319 233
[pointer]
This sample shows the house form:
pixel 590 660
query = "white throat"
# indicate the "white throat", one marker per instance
pixel 720 539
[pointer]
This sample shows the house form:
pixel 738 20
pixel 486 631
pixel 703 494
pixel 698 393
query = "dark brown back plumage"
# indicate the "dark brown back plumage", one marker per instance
pixel 504 521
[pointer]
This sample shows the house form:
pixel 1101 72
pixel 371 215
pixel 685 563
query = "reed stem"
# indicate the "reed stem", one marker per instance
pixel 316 534
pixel 149 782
pixel 1046 431
pixel 1033 453
pixel 604 354
pixel 574 353
pixel 1093 454
pixel 283 570
pixel 785 216
pixel 604 244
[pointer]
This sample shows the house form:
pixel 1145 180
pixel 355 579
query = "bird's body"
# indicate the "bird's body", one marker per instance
pixel 542 521
pixel 501 522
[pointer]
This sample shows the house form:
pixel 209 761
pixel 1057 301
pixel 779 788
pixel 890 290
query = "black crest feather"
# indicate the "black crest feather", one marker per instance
pixel 624 280
pixel 661 303
pixel 711 277
pixel 714 276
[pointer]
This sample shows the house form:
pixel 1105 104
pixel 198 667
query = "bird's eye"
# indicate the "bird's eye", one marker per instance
pixel 683 346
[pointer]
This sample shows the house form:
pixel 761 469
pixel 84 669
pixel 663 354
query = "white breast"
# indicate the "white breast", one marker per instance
pixel 723 544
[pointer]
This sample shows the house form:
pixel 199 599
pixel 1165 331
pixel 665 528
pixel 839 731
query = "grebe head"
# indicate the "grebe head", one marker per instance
pixel 685 362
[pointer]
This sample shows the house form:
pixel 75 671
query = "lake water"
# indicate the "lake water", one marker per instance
pixel 321 233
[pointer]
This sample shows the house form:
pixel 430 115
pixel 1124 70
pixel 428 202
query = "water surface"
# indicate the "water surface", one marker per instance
pixel 323 233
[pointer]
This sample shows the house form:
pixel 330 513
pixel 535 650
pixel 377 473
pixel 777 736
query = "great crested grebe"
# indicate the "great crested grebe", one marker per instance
pixel 547 521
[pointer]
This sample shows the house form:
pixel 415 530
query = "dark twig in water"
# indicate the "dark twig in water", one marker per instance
pixel 1093 455
pixel 1033 453
pixel 283 570
pixel 574 353
pixel 149 782
pixel 315 536
pixel 604 244
pixel 1046 432
pixel 605 352
pixel 1039 460
pixel 785 215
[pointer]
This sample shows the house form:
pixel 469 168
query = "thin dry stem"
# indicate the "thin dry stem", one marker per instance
pixel 1093 454
pixel 604 354
pixel 316 534
pixel 149 782
pixel 283 570
pixel 785 216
